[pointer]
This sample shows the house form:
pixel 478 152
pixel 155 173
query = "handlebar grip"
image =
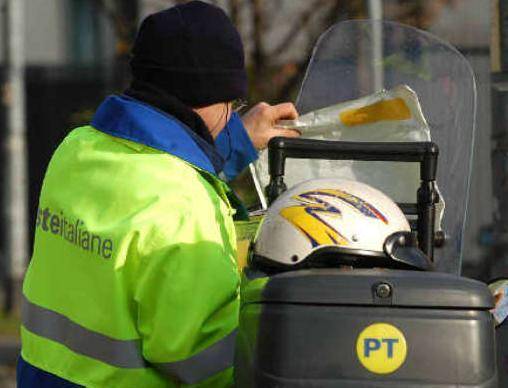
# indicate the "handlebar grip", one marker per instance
pixel 280 148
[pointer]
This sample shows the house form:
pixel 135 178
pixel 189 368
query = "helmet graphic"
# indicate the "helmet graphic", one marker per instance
pixel 331 222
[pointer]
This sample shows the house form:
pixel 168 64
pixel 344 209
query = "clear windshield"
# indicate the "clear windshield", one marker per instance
pixel 354 59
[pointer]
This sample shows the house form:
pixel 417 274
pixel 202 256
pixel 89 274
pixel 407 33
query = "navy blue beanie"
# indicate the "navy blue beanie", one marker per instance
pixel 193 52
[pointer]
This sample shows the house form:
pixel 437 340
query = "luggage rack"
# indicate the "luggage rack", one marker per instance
pixel 424 153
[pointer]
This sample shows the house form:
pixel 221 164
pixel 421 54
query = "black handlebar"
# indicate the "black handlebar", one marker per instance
pixel 281 148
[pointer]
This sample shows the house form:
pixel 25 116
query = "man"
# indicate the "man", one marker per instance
pixel 133 280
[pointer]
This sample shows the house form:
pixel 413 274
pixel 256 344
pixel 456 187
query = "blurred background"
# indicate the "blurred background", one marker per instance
pixel 60 58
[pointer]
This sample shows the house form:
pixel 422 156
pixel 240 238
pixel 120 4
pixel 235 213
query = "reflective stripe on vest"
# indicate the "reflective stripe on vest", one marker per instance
pixel 207 363
pixel 57 327
pixel 124 353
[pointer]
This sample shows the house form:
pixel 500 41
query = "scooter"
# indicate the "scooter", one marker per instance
pixel 377 327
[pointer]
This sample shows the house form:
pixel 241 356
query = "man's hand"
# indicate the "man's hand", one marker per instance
pixel 260 122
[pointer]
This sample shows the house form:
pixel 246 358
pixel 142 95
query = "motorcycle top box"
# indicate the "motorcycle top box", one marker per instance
pixel 365 328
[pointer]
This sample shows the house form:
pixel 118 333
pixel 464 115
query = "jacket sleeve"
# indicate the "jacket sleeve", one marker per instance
pixel 187 307
pixel 235 146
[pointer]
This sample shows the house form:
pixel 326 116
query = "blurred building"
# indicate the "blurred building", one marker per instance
pixel 69 47
pixel 467 25
pixel 66 32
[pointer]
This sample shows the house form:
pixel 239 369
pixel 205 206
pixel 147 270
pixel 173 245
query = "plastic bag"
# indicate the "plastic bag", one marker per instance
pixel 391 115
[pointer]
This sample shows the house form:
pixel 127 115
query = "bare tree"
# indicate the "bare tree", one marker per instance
pixel 273 78
pixel 234 11
pixel 277 53
pixel 123 15
pixel 417 13
pixel 270 43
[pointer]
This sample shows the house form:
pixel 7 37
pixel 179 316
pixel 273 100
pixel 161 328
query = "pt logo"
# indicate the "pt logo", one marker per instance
pixel 381 348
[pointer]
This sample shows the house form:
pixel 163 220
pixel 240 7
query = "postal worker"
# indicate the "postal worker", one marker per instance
pixel 133 280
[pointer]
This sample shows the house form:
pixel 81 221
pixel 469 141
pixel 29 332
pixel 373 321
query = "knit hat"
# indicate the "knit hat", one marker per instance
pixel 193 52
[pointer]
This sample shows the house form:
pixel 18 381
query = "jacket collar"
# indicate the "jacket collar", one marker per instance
pixel 130 119
pixel 156 97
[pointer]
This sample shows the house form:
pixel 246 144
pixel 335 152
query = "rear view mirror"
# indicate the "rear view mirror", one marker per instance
pixel 499 289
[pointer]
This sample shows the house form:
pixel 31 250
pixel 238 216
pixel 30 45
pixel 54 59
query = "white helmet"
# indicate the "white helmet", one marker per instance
pixel 329 222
